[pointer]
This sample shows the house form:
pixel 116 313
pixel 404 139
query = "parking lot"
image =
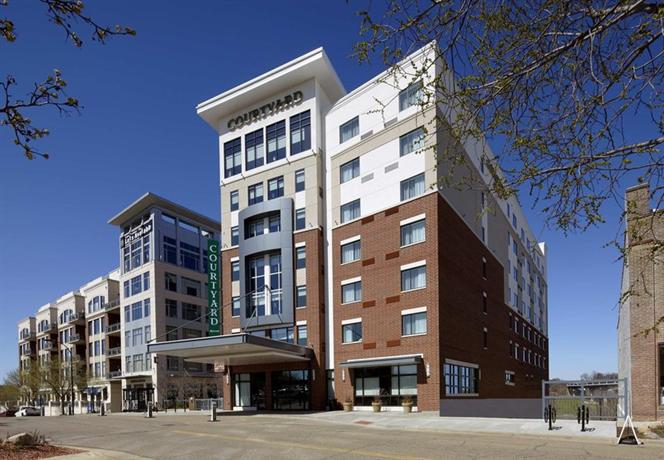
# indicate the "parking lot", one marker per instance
pixel 277 436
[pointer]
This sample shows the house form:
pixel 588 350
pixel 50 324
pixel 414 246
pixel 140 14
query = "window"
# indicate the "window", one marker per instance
pixel 350 170
pixel 235 270
pixel 136 285
pixel 127 313
pixel 350 211
pixel 191 312
pixel 254 227
pixel 283 334
pixel 171 308
pixel 410 188
pixel 253 147
pixel 509 378
pixel 275 188
pixel 172 363
pixel 484 303
pixel 485 338
pixel 350 252
pixel 255 193
pixel 235 200
pixel 299 180
pixel 189 256
pixel 302 335
pixel 232 157
pixel 171 282
pixel 349 130
pixel 413 232
pixel 171 333
pixel 301 297
pixel 191 287
pixel 301 257
pixel 136 311
pixel 170 250
pixel 274 223
pixel 410 96
pixel 235 307
pixel 300 218
pixel 276 141
pixel 351 292
pixel 300 132
pixel 461 380
pixel 137 337
pixel 146 281
pixel 351 332
pixel 410 142
pixel 414 278
pixel 146 308
pixel 414 323
pixel 484 268
pixel 235 236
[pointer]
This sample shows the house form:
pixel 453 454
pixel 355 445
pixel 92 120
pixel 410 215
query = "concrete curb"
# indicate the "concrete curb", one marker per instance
pixel 98 453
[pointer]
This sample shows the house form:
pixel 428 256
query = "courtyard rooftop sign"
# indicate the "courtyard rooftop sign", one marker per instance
pixel 264 110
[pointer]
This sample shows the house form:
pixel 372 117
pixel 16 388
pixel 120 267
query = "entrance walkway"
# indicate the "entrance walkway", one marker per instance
pixel 428 421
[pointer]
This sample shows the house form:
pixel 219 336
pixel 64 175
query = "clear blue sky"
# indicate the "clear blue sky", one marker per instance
pixel 139 132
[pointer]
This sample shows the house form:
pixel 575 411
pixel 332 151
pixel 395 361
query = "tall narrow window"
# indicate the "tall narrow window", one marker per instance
pixel 235 307
pixel 484 303
pixel 411 142
pixel 301 296
pixel 235 200
pixel 275 285
pixel 299 180
pixel 235 236
pixel 275 188
pixel 253 145
pixel 301 257
pixel 350 211
pixel 300 218
pixel 349 130
pixel 350 170
pixel 235 271
pixel 276 141
pixel 232 157
pixel 412 187
pixel 300 132
pixel 302 335
pixel 410 96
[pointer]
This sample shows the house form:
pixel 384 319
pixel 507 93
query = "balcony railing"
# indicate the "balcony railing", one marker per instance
pixel 74 338
pixel 115 351
pixel 114 374
pixel 27 352
pixel 115 327
pixel 112 305
pixel 29 336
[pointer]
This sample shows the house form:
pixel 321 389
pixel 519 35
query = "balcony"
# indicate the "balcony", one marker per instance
pixel 114 374
pixel 72 319
pixel 113 328
pixel 73 338
pixel 29 336
pixel 114 352
pixel 27 352
pixel 48 346
pixel 112 305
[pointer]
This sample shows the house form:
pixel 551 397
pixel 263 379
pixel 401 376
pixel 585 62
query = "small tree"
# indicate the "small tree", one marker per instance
pixel 25 384
pixel 64 377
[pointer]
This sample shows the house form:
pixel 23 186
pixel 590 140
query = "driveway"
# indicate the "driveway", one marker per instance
pixel 242 436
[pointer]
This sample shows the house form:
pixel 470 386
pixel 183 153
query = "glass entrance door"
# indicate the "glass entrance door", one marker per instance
pixel 249 390
pixel 290 390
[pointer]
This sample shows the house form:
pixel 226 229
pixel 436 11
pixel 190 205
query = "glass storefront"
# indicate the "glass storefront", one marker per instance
pixel 249 390
pixel 136 399
pixel 290 390
pixel 392 384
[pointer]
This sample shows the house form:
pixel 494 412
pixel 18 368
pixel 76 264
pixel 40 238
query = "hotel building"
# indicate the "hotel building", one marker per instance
pixel 349 272
pixel 640 336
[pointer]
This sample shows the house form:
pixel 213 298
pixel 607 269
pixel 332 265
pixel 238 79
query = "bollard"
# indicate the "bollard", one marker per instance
pixel 550 418
pixel 583 417
pixel 102 410
pixel 149 411
pixel 213 411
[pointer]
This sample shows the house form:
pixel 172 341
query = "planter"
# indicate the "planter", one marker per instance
pixel 376 406
pixel 407 408
pixel 348 406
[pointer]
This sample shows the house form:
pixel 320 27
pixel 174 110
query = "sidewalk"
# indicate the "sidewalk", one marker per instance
pixel 433 422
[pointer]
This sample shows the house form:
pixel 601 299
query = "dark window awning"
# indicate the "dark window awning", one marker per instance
pixel 232 350
pixel 382 361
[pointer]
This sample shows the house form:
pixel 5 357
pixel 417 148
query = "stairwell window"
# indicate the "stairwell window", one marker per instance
pixel 299 180
pixel 235 270
pixel 235 236
pixel 412 187
pixel 349 130
pixel 300 218
pixel 235 200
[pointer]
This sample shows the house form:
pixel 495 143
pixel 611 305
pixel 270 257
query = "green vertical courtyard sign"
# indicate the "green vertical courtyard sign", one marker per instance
pixel 213 287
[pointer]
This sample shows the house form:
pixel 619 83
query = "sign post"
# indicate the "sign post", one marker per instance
pixel 213 288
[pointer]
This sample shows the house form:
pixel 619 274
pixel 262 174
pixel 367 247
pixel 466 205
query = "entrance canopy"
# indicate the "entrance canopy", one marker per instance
pixel 232 350
pixel 382 361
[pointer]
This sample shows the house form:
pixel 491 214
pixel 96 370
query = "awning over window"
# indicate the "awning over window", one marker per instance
pixel 382 361
pixel 232 350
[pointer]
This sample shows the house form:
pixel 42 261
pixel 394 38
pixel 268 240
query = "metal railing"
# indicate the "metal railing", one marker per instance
pixel 115 327
pixel 115 351
pixel 112 305
pixel 74 338
pixel 114 374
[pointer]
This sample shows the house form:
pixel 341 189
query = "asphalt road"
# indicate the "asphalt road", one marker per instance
pixel 283 437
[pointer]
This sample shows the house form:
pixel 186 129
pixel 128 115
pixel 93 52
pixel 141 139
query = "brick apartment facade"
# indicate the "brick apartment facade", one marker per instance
pixel 640 336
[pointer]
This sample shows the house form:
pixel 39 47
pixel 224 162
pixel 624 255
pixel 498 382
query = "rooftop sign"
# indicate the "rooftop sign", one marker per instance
pixel 265 110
